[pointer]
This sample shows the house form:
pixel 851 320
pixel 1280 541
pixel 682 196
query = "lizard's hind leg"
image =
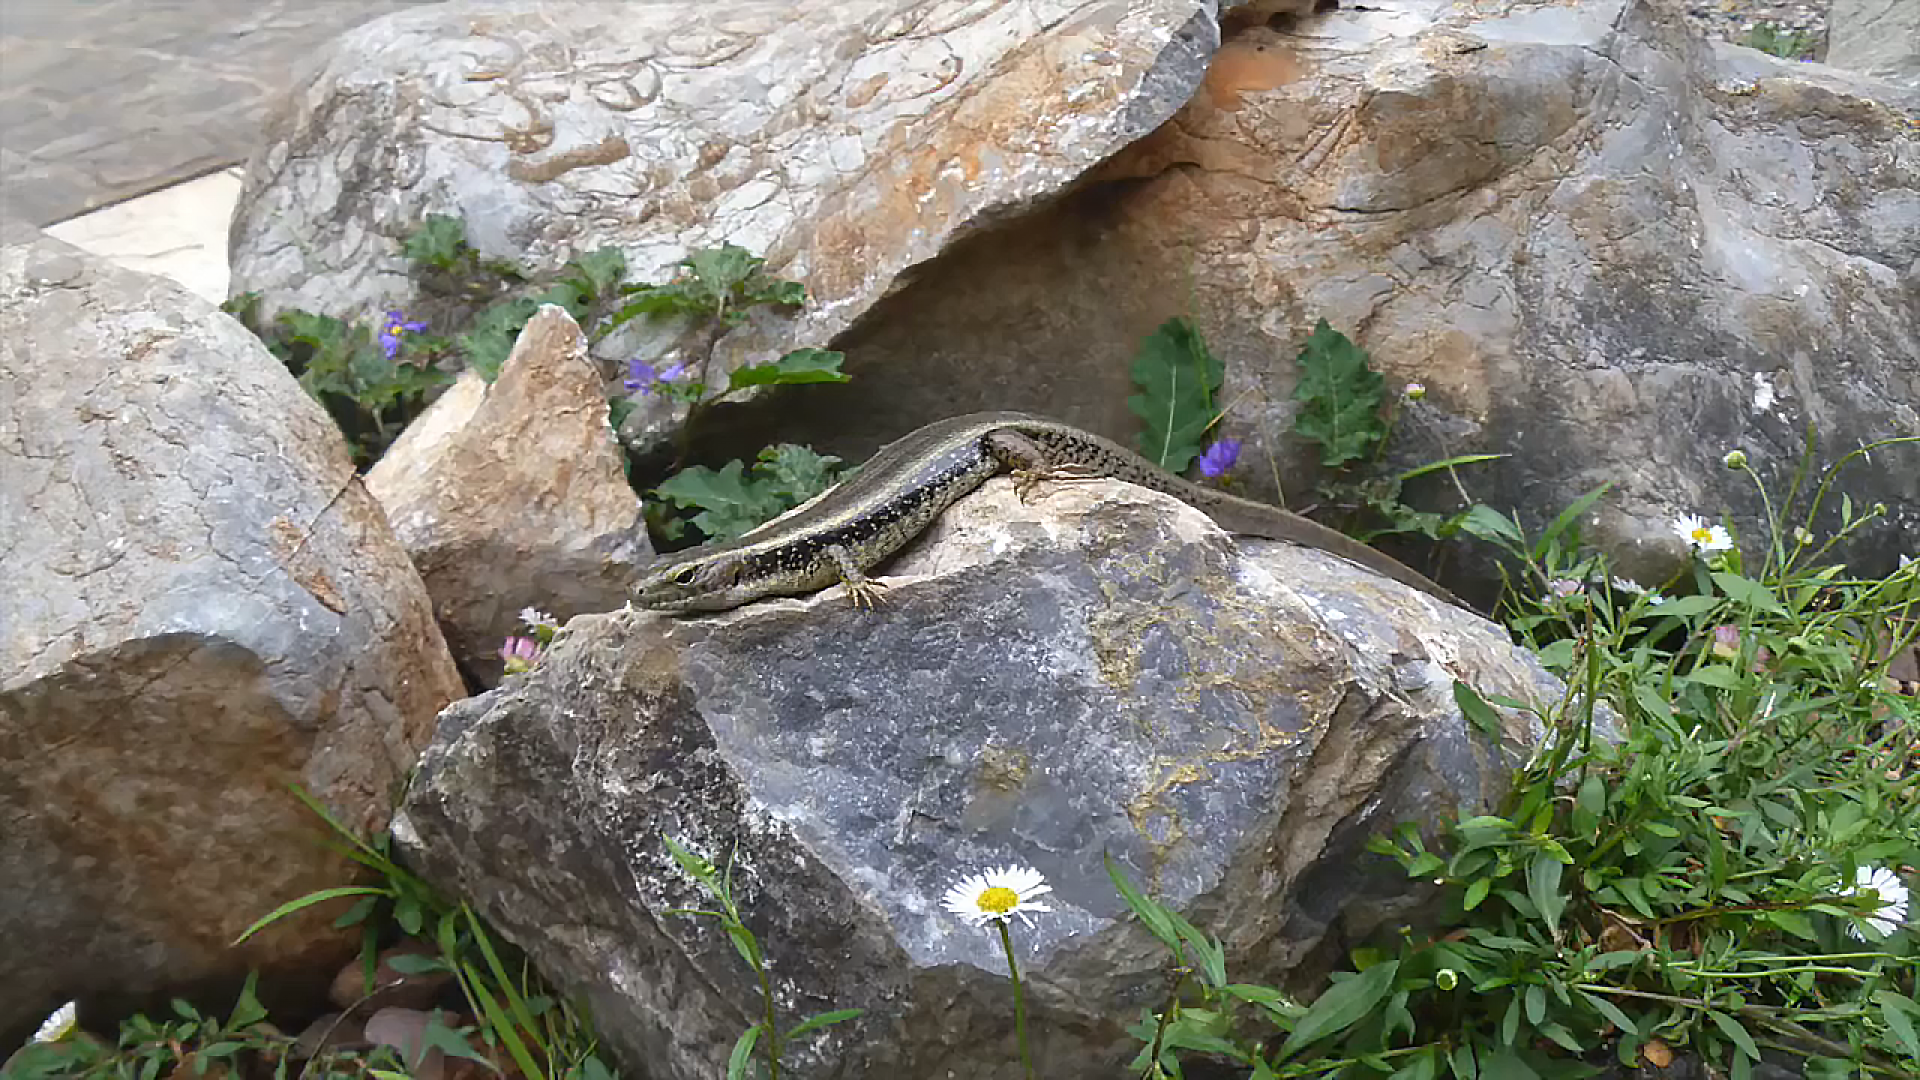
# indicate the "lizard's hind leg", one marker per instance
pixel 1029 463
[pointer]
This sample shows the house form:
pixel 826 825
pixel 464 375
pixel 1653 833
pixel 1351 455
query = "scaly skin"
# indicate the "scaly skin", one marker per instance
pixel 857 524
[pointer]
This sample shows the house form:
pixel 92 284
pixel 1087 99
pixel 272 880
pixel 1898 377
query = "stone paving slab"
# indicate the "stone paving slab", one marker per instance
pixel 178 232
pixel 103 100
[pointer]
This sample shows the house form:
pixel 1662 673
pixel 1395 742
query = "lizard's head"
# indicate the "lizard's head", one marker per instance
pixel 695 581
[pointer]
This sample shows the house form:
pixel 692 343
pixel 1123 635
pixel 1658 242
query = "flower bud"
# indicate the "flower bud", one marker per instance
pixel 1735 459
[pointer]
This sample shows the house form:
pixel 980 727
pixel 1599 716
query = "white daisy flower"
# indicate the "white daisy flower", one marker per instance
pixel 537 619
pixel 998 894
pixel 1887 887
pixel 1628 585
pixel 59 1025
pixel 1701 536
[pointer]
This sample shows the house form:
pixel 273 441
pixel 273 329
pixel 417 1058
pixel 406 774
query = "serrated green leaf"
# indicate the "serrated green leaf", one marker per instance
pixel 599 272
pixel 437 242
pixel 1178 380
pixel 730 503
pixel 489 341
pixel 1339 396
pixel 795 474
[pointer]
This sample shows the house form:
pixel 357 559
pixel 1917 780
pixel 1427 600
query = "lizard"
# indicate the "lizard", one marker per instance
pixel 854 526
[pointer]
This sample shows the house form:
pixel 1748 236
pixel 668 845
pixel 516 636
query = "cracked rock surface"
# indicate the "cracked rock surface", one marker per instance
pixel 200 605
pixel 1230 720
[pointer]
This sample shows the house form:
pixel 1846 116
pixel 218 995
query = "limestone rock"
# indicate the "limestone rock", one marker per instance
pixel 1879 37
pixel 845 140
pixel 1605 247
pixel 515 495
pixel 1230 721
pixel 199 605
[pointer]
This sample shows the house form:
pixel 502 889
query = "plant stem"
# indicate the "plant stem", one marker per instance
pixel 1166 1014
pixel 773 1032
pixel 1019 999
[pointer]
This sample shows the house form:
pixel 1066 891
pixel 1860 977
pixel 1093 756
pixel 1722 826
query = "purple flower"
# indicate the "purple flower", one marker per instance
pixel 520 653
pixel 640 375
pixel 644 377
pixel 1219 457
pixel 396 327
pixel 1563 586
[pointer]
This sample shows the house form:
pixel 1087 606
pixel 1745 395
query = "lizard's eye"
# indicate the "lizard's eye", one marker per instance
pixel 687 574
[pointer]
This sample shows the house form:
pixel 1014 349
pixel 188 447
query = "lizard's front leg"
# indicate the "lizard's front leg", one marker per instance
pixel 862 591
pixel 1028 463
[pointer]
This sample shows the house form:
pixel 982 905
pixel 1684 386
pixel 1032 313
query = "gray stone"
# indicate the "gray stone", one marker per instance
pixel 845 140
pixel 1098 671
pixel 199 605
pixel 514 495
pixel 1879 37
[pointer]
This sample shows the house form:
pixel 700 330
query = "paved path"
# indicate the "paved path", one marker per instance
pixel 102 100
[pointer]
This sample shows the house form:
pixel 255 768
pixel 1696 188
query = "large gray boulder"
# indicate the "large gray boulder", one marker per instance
pixel 199 605
pixel 845 140
pixel 1605 246
pixel 1878 37
pixel 1101 670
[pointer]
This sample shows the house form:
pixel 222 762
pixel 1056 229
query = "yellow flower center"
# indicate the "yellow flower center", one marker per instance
pixel 1702 535
pixel 999 900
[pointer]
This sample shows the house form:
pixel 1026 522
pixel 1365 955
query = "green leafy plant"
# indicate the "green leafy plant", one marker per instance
pixel 764 1035
pixel 734 499
pixel 444 263
pixel 1777 40
pixel 1178 379
pixel 1680 866
pixel 518 1016
pixel 191 1043
pixel 1339 397
pixel 372 387
pixel 721 286
pixel 1341 405
pixel 723 283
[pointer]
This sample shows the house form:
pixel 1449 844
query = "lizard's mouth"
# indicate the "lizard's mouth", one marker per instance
pixel 713 586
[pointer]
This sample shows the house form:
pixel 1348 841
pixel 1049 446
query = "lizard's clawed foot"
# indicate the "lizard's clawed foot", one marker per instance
pixel 865 593
pixel 1026 480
